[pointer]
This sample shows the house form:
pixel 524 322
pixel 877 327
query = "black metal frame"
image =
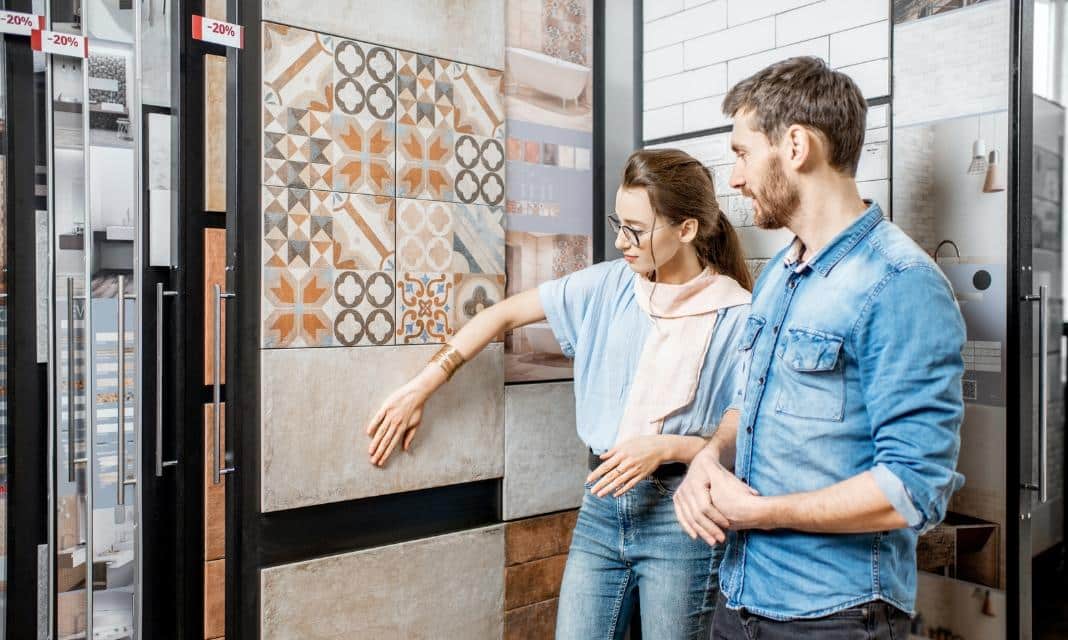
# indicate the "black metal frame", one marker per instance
pixel 258 540
pixel 27 516
pixel 1020 316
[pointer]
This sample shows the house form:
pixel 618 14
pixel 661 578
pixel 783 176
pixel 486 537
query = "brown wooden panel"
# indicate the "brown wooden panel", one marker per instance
pixel 536 581
pixel 214 598
pixel 536 538
pixel 214 133
pixel 214 494
pixel 71 613
pixel 533 622
pixel 214 273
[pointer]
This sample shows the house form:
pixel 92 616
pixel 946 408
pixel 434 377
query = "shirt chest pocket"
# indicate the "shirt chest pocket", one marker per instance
pixel 812 381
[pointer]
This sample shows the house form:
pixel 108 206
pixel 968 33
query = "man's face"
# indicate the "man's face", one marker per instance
pixel 759 174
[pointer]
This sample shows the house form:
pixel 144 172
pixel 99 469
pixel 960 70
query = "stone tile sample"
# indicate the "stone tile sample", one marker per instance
pixel 544 460
pixel 449 586
pixel 470 31
pixel 214 598
pixel 316 404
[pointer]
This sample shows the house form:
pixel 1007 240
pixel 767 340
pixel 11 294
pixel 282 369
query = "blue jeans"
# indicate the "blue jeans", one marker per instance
pixel 632 549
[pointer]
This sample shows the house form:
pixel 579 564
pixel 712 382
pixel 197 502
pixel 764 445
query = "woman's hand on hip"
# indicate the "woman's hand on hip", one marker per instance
pixel 397 421
pixel 627 464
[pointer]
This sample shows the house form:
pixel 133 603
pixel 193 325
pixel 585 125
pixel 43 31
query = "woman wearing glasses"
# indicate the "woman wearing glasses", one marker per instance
pixel 655 340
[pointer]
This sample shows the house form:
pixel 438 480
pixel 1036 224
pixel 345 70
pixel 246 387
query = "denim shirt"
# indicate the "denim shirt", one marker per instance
pixel 854 365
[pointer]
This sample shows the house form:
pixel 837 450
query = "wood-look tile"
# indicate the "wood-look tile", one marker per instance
pixel 214 598
pixel 214 494
pixel 214 133
pixel 214 273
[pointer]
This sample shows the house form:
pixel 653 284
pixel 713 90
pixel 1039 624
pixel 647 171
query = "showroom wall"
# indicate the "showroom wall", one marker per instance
pixel 420 161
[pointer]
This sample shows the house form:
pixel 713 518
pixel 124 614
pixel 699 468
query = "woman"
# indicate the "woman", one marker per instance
pixel 654 338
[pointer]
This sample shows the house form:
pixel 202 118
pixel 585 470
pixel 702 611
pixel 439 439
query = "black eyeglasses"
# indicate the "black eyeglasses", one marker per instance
pixel 633 235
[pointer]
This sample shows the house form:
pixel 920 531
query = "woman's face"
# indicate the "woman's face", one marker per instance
pixel 656 246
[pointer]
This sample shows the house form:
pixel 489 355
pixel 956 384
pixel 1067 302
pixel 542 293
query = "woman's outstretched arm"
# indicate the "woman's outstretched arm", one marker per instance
pixel 401 413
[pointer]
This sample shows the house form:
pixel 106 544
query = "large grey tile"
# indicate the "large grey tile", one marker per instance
pixel 450 586
pixel 469 31
pixel 544 460
pixel 316 404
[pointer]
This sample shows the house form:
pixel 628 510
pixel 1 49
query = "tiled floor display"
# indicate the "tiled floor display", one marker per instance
pixel 383 175
pixel 449 586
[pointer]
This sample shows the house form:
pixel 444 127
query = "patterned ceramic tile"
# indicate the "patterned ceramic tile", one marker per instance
pixel 477 167
pixel 478 239
pixel 364 155
pixel 424 163
pixel 435 93
pixel 294 307
pixel 565 28
pixel 327 268
pixel 473 293
pixel 297 68
pixel 363 231
pixel 449 237
pixel 364 80
pixel 424 235
pixel 424 307
pixel 297 148
pixel 366 306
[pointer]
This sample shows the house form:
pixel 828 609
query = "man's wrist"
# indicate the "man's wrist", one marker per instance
pixel 773 513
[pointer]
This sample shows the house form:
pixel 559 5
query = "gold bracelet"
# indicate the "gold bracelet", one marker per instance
pixel 449 359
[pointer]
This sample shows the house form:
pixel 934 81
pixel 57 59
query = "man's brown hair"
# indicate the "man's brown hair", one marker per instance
pixel 805 91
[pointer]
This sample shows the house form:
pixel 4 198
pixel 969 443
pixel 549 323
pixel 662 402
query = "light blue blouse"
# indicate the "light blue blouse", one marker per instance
pixel 597 321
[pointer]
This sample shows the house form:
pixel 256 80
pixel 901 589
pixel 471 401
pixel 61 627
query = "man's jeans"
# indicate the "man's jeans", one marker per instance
pixel 870 621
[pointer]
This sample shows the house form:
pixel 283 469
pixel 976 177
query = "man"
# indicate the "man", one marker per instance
pixel 850 427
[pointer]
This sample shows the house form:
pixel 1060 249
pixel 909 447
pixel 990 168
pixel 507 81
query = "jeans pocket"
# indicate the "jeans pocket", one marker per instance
pixel 666 490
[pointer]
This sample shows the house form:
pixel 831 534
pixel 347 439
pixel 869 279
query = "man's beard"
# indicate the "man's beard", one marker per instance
pixel 774 207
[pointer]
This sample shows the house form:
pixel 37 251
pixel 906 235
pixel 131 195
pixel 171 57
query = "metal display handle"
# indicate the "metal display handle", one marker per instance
pixel 217 469
pixel 160 463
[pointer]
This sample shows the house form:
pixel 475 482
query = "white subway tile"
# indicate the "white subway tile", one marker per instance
pixel 662 122
pixel 742 68
pixel 730 43
pixel 870 42
pixel 739 11
pixel 873 77
pixel 656 9
pixel 690 4
pixel 878 116
pixel 827 17
pixel 662 62
pixel 684 87
pixel 685 25
pixel 878 191
pixel 704 114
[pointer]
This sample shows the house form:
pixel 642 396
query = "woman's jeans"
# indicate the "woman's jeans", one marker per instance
pixel 632 549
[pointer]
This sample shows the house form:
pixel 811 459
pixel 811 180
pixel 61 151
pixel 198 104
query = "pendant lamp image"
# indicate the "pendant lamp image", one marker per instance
pixel 979 162
pixel 995 175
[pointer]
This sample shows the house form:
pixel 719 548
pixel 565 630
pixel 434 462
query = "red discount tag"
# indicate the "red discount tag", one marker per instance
pixel 219 32
pixel 20 24
pixel 64 44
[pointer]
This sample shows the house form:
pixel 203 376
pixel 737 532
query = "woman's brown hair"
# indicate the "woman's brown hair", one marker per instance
pixel 679 188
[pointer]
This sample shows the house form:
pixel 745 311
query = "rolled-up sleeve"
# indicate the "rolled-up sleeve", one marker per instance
pixel 568 300
pixel 909 340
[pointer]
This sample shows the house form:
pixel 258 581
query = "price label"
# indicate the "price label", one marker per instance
pixel 20 24
pixel 219 32
pixel 64 44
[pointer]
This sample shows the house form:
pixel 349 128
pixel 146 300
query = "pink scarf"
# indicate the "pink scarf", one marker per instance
pixel 684 317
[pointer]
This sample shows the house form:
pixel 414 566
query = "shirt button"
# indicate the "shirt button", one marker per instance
pixel 775 329
pixel 793 283
pixel 760 381
pixel 749 429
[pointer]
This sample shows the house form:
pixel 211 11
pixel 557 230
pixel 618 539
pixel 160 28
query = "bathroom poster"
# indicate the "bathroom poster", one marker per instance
pixel 549 108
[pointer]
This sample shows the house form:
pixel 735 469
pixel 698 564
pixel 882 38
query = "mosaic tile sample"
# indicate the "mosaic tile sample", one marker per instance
pixel 448 586
pixel 328 263
pixel 315 408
